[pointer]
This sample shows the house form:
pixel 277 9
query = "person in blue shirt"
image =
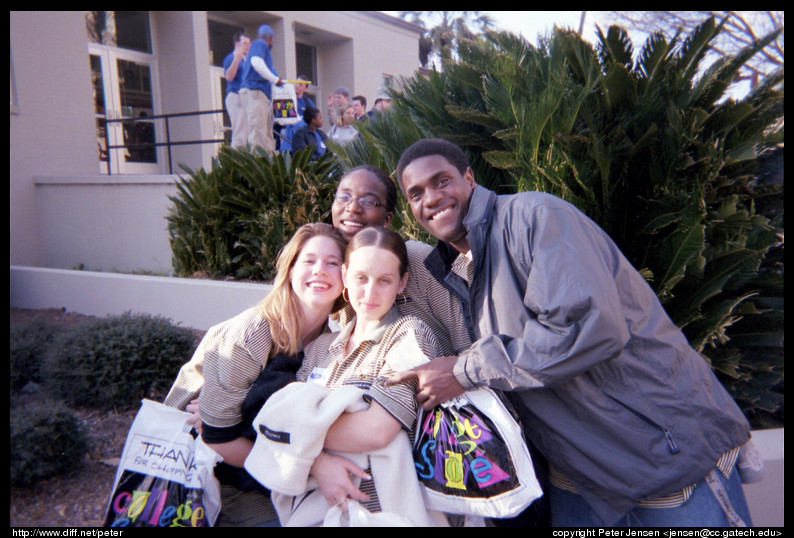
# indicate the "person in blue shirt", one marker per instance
pixel 233 69
pixel 256 90
pixel 311 133
pixel 304 101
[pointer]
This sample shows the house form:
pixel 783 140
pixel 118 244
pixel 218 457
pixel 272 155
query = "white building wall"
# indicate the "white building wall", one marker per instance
pixel 106 223
pixel 52 124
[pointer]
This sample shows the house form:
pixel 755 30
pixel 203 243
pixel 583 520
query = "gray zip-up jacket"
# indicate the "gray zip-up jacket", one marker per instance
pixel 612 393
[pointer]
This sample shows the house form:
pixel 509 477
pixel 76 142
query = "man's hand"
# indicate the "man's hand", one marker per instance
pixel 333 474
pixel 239 50
pixel 436 383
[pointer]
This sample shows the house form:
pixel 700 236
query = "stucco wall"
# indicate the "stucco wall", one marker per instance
pixel 52 126
pixel 183 59
pixel 103 223
pixel 355 49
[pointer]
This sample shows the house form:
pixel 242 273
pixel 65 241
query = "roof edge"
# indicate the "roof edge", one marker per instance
pixel 396 21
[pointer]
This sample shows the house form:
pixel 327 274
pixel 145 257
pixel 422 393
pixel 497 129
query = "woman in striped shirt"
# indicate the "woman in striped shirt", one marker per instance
pixel 375 272
pixel 234 353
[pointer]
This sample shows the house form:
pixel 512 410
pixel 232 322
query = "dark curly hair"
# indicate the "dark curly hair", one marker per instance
pixel 383 177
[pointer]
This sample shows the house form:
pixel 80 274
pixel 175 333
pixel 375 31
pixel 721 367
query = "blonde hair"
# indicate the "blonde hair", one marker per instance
pixel 281 307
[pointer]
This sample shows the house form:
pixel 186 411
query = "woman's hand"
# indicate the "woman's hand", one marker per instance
pixel 334 478
pixel 195 419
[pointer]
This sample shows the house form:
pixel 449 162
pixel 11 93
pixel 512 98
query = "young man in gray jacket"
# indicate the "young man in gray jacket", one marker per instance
pixel 635 426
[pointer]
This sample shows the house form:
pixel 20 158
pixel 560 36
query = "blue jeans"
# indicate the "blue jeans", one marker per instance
pixel 701 509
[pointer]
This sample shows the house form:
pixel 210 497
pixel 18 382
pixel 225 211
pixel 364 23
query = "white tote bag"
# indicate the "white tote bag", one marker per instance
pixel 285 104
pixel 470 453
pixel 472 459
pixel 166 476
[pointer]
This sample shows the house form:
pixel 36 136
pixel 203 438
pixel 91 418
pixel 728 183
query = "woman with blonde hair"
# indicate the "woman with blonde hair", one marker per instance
pixel 272 334
pixel 344 132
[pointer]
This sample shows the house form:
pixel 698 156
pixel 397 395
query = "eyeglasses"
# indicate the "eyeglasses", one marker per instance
pixel 367 202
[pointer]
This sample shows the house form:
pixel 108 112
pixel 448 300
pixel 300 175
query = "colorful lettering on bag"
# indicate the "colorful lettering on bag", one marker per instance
pixel 453 470
pixel 472 428
pixel 140 502
pixel 284 108
pixel 198 516
pixel 122 497
pixel 474 431
pixel 165 518
pixel 479 468
pixel 157 498
pixel 425 468
pixel 453 452
pixel 486 472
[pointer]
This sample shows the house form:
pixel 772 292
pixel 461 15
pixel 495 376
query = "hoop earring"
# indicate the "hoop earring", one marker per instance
pixel 345 297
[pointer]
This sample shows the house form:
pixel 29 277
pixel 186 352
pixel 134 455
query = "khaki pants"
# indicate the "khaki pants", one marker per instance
pixel 259 111
pixel 237 115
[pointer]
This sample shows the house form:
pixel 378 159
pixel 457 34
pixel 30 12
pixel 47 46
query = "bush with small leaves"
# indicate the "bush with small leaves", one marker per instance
pixel 45 441
pixel 113 363
pixel 28 343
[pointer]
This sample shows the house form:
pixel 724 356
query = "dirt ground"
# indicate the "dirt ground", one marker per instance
pixel 77 499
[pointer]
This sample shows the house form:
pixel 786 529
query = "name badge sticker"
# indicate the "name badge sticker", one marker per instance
pixel 319 376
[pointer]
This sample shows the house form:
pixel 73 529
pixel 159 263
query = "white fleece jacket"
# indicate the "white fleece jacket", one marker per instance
pixel 291 429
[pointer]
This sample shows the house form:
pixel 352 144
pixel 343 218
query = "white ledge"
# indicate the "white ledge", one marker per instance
pixel 195 303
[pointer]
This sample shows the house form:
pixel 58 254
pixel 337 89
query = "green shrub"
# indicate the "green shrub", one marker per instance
pixel 28 343
pixel 112 363
pixel 45 441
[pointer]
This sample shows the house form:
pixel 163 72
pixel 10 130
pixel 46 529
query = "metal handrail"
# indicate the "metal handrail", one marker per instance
pixel 168 143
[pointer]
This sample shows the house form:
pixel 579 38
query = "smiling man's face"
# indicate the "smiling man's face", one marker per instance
pixel 439 196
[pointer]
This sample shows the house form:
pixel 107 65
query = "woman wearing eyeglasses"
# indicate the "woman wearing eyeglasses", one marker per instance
pixel 366 196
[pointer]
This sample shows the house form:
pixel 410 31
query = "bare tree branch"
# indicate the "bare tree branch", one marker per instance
pixel 741 28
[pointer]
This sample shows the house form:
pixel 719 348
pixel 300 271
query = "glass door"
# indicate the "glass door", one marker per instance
pixel 124 104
